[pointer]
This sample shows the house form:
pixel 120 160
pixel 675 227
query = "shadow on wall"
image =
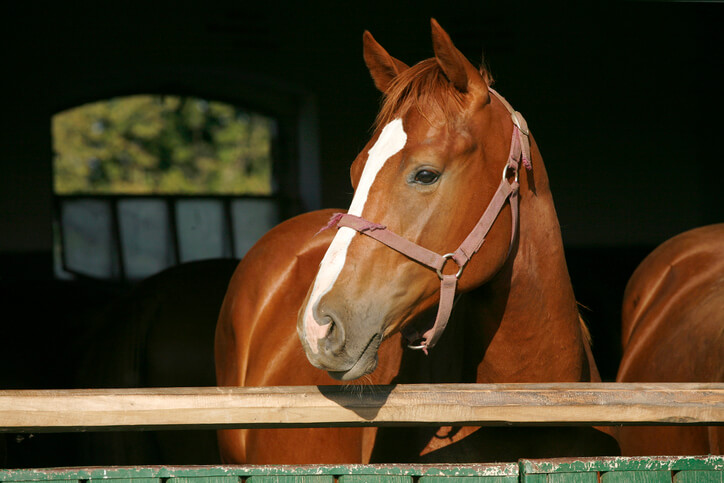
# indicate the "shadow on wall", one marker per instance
pixel 599 276
pixel 158 334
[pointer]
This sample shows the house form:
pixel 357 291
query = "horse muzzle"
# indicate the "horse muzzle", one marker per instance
pixel 327 346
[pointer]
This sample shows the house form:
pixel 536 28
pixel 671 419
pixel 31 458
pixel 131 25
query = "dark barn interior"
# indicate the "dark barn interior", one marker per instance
pixel 624 100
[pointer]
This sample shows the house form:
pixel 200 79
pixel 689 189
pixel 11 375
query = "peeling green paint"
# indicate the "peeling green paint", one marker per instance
pixel 190 474
pixel 659 463
pixel 682 469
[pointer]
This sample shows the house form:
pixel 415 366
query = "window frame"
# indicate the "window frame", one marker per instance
pixel 295 167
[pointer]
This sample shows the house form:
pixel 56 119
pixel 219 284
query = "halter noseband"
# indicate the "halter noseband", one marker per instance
pixel 507 191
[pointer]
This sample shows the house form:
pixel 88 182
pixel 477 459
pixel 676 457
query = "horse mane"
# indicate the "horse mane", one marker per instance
pixel 425 87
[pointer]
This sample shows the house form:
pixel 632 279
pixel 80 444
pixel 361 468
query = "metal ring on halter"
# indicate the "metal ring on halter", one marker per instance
pixel 416 347
pixel 505 172
pixel 449 256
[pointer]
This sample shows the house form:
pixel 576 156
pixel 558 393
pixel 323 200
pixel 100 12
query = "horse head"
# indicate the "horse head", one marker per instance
pixel 430 170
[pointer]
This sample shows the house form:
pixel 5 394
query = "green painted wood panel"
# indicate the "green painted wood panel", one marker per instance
pixel 374 479
pixel 636 477
pixel 57 480
pixel 201 479
pixel 699 477
pixel 291 479
pixel 611 470
pixel 468 479
pixel 586 477
pixel 617 464
pixel 533 478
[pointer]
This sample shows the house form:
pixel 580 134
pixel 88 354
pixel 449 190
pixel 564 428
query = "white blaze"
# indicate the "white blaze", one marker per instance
pixel 392 139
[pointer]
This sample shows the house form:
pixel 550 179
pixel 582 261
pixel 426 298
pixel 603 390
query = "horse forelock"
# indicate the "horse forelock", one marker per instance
pixel 424 87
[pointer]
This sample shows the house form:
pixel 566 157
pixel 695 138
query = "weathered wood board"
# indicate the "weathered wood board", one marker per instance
pixel 414 404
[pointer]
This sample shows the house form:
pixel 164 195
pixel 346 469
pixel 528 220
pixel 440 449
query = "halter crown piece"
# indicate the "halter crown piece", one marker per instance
pixel 507 191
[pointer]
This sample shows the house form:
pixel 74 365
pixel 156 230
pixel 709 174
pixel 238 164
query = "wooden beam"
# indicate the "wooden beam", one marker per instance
pixel 312 406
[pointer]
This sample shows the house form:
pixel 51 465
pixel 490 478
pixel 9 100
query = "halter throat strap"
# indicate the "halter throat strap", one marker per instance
pixel 507 192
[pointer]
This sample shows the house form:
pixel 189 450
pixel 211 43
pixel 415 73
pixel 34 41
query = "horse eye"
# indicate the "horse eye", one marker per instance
pixel 425 176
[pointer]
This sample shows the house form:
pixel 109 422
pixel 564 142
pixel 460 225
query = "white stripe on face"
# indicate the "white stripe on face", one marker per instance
pixel 392 139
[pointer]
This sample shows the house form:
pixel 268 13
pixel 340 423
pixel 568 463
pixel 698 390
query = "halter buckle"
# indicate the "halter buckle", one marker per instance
pixel 446 257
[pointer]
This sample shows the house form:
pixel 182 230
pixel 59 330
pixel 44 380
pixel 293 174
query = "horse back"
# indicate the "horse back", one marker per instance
pixel 674 299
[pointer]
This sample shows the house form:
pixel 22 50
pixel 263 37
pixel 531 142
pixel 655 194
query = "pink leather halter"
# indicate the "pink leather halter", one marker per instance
pixel 507 191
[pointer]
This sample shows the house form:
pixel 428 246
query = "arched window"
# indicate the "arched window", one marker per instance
pixel 145 182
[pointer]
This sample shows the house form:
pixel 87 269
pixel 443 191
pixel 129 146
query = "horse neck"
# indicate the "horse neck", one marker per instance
pixel 530 317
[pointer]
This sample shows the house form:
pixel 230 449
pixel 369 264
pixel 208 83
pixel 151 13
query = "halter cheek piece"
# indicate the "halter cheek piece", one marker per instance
pixel 507 191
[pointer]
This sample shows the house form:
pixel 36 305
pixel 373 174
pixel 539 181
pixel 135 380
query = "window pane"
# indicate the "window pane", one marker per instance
pixel 145 236
pixel 251 219
pixel 150 144
pixel 201 229
pixel 88 237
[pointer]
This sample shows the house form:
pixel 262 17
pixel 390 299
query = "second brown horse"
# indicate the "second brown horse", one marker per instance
pixel 673 331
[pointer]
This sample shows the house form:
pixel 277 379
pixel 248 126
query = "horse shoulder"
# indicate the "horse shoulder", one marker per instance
pixel 257 345
pixel 284 258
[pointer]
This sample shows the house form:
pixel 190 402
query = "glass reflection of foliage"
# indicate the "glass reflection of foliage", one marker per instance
pixel 161 145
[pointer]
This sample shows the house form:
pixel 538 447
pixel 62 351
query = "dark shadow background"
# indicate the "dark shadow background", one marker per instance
pixel 624 100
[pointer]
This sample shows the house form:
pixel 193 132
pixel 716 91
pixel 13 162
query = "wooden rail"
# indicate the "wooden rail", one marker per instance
pixel 312 406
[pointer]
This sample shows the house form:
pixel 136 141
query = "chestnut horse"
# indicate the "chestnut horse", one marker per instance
pixel 675 300
pixel 445 148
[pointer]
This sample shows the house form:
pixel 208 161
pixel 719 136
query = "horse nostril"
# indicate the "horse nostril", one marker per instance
pixel 334 341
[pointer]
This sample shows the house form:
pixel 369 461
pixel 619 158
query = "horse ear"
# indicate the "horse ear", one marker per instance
pixel 456 67
pixel 383 67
